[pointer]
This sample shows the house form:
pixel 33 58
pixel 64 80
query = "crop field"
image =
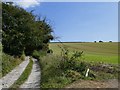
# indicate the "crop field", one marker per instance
pixel 106 52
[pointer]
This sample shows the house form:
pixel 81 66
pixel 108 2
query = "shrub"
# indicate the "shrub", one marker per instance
pixel 100 41
pixel 50 51
pixel 76 55
pixel 37 54
pixel 81 67
pixel 73 74
pixel 67 64
pixel 23 56
pixel 72 61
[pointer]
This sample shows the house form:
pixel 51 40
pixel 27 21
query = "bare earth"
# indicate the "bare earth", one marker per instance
pixel 94 84
pixel 34 78
pixel 11 77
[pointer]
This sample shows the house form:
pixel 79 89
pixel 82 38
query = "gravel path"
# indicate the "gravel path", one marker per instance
pixel 11 77
pixel 34 78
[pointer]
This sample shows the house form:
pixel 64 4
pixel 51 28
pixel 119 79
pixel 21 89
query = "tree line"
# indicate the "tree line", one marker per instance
pixel 23 32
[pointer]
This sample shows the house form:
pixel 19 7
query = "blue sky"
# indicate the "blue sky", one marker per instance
pixel 81 21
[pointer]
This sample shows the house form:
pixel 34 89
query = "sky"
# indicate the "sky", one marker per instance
pixel 78 21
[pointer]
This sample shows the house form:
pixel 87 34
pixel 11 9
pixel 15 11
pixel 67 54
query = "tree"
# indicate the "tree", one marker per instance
pixel 22 32
pixel 100 41
pixel 95 41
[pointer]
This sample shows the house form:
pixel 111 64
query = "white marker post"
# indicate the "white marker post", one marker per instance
pixel 86 75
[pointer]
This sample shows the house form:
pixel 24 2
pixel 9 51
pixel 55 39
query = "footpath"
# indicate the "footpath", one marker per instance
pixel 34 78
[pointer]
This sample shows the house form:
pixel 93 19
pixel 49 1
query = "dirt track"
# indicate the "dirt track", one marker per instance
pixel 94 84
pixel 12 76
pixel 34 78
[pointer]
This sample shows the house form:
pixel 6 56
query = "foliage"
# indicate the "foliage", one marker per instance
pixel 71 62
pixel 73 75
pixel 61 69
pixel 51 75
pixel 22 31
pixel 54 76
pixel 50 51
pixel 23 56
pixel 64 67
pixel 37 54
pixel 9 63
pixel 100 41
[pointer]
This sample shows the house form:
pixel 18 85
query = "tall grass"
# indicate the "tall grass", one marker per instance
pixel 55 74
pixel 51 75
pixel 56 71
pixel 9 63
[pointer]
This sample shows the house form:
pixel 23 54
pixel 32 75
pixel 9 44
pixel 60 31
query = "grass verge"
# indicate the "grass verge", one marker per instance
pixel 54 77
pixel 9 63
pixel 57 71
pixel 24 75
pixel 51 75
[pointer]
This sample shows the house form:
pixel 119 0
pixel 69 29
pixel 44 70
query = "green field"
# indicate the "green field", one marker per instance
pixel 97 52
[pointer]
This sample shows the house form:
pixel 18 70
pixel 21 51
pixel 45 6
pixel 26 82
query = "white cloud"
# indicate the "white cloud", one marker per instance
pixel 25 3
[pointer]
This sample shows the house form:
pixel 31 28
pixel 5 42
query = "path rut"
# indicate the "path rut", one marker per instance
pixel 12 76
pixel 33 80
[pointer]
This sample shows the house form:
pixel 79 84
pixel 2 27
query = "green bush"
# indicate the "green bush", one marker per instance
pixel 57 71
pixel 72 62
pixel 73 75
pixel 81 67
pixel 67 64
pixel 37 54
pixel 50 51
pixel 23 56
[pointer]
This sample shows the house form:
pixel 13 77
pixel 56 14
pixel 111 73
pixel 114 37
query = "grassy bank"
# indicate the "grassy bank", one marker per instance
pixel 9 63
pixel 100 58
pixel 55 77
pixel 59 70
pixel 67 63
pixel 51 75
pixel 24 76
